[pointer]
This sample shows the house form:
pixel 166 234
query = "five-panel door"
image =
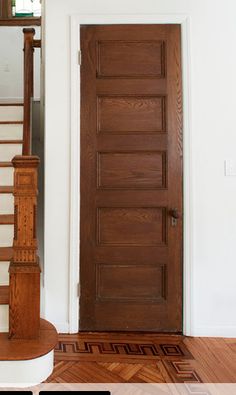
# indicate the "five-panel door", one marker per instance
pixel 131 178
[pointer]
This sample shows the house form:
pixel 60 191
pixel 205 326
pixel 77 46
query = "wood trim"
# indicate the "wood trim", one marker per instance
pixel 88 19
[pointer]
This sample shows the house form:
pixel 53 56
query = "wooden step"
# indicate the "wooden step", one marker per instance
pixel 6 189
pixel 4 294
pixel 6 254
pixel 11 122
pixel 11 141
pixel 6 164
pixel 6 219
pixel 13 104
pixel 20 350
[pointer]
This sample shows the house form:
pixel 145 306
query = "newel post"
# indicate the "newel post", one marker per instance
pixel 24 317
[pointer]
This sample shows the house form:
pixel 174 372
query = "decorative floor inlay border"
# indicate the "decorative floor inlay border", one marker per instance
pixel 133 358
pixel 182 372
pixel 81 348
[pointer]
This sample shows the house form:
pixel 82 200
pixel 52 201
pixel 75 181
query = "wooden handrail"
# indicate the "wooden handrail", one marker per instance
pixel 28 87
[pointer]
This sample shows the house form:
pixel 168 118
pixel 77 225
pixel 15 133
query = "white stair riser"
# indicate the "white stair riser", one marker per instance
pixel 6 175
pixel 6 204
pixel 4 318
pixel 28 373
pixel 11 132
pixel 11 113
pixel 6 235
pixel 4 275
pixel 8 151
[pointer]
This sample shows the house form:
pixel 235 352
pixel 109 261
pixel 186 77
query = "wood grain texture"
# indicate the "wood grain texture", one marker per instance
pixel 28 87
pixel 11 122
pixel 20 350
pixel 5 9
pixel 138 170
pixel 33 21
pixel 143 358
pixel 119 59
pixel 6 254
pixel 6 189
pixel 131 114
pixel 11 141
pixel 4 294
pixel 24 315
pixel 131 226
pixel 131 178
pixel 5 164
pixel 131 283
pixel 6 219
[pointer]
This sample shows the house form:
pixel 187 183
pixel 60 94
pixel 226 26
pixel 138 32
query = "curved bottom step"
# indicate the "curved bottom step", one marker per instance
pixel 27 363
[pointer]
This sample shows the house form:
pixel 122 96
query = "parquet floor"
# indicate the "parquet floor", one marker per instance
pixel 139 358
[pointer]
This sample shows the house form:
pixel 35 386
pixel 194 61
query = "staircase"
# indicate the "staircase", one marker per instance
pixel 11 140
pixel 27 342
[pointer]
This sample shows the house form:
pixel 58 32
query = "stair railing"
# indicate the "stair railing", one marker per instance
pixel 29 45
pixel 24 270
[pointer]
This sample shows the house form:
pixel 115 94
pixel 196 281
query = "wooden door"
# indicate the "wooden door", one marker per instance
pixel 131 178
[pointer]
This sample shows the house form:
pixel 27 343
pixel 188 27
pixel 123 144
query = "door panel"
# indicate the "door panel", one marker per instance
pixel 131 114
pixel 131 178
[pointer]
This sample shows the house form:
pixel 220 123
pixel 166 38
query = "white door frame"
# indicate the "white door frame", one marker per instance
pixel 97 19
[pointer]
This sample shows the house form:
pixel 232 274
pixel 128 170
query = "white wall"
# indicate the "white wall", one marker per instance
pixel 213 86
pixel 11 63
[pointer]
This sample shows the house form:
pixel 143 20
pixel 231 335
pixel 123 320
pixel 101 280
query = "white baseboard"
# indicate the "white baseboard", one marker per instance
pixel 214 331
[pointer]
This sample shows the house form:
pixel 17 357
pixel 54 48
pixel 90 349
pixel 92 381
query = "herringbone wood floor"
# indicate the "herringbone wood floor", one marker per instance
pixel 138 358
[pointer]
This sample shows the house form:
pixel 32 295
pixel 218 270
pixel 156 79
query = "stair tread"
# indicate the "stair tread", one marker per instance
pixel 6 254
pixel 11 141
pixel 6 189
pixel 4 294
pixel 11 122
pixel 13 104
pixel 6 164
pixel 6 219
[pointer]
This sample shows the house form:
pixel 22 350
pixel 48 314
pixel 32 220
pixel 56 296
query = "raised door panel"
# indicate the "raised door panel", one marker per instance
pixel 131 226
pixel 130 59
pixel 133 283
pixel 132 170
pixel 131 114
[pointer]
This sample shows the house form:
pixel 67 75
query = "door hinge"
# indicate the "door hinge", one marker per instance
pixel 78 290
pixel 79 58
